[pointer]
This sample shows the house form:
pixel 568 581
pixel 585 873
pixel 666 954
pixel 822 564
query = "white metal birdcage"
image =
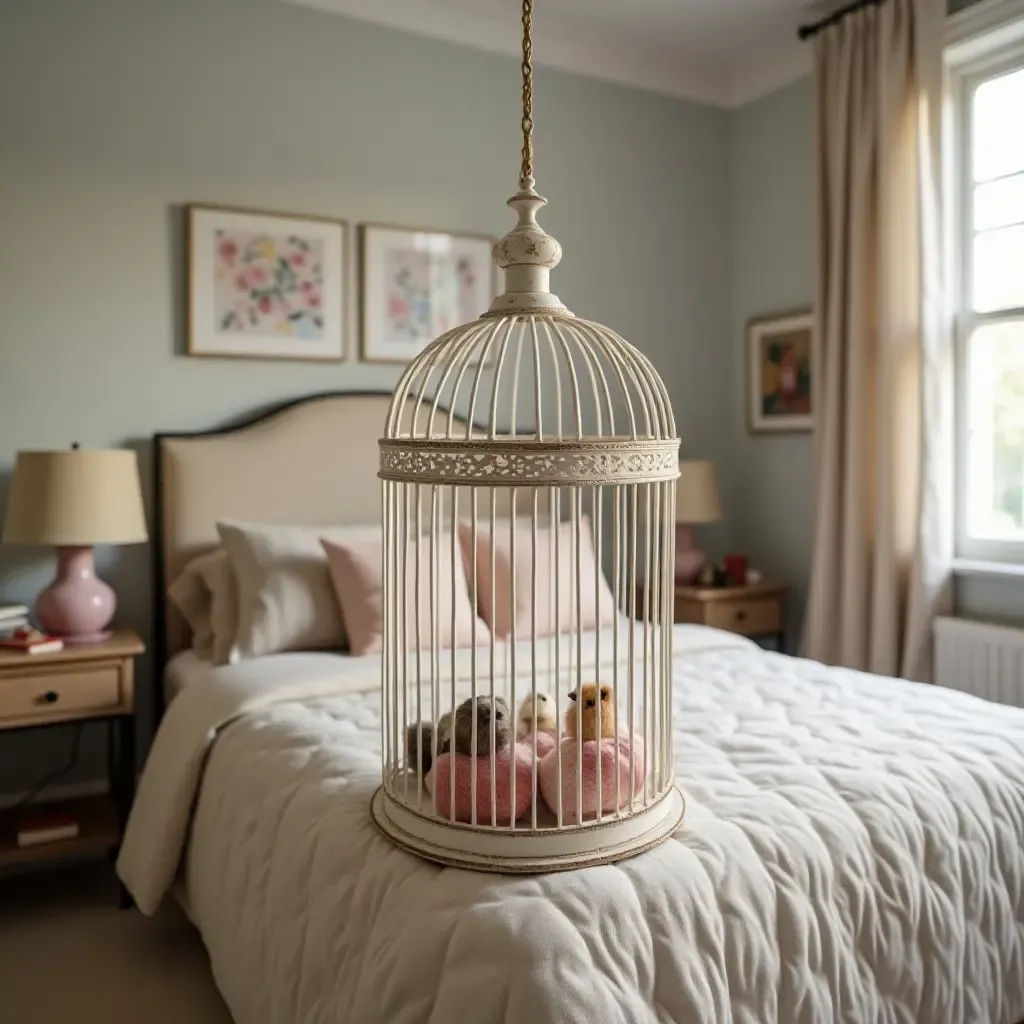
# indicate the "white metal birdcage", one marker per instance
pixel 529 463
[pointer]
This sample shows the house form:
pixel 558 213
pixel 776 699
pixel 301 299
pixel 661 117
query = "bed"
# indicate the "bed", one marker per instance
pixel 853 849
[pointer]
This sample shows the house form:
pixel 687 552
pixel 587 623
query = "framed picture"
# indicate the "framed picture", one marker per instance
pixel 265 285
pixel 417 284
pixel 780 371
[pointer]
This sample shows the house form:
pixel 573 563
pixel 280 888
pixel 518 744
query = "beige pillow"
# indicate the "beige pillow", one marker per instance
pixel 192 596
pixel 357 571
pixel 285 599
pixel 220 581
pixel 500 617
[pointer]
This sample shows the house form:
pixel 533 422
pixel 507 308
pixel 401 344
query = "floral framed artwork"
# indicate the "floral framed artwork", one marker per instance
pixel 780 372
pixel 417 284
pixel 265 285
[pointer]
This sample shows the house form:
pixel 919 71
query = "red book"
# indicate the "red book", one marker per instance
pixel 31 641
pixel 37 825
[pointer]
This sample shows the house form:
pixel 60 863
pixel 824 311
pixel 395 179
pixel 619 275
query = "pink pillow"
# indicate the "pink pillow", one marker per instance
pixel 500 617
pixel 441 781
pixel 547 775
pixel 356 571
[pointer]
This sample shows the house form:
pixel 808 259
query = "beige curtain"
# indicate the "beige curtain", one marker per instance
pixel 883 445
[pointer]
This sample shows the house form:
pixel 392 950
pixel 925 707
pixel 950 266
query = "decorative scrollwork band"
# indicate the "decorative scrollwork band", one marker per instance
pixel 510 464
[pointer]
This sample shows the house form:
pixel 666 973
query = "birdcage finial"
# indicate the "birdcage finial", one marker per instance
pixel 527 253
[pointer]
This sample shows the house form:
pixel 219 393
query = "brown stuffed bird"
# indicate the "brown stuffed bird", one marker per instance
pixel 592 695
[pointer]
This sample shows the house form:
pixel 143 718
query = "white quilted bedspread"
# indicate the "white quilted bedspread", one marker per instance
pixel 853 851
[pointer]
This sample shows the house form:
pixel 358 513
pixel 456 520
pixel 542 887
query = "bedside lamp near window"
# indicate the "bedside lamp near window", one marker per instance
pixel 73 500
pixel 696 502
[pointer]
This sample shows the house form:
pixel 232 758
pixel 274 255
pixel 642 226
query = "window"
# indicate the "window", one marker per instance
pixel 987 193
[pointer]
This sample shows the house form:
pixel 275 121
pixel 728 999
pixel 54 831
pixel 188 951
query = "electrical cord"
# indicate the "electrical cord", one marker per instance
pixel 50 777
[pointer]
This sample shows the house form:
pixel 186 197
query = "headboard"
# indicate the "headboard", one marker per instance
pixel 308 462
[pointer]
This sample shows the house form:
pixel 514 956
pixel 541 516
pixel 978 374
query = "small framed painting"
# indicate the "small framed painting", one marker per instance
pixel 417 284
pixel 265 285
pixel 780 372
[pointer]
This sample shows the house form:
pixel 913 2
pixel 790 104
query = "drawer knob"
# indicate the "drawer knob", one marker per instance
pixel 51 696
pixel 740 615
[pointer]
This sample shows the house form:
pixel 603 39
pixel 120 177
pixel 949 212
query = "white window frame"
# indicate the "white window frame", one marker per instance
pixel 983 42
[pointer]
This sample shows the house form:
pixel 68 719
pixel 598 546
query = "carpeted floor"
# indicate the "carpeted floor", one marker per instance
pixel 68 955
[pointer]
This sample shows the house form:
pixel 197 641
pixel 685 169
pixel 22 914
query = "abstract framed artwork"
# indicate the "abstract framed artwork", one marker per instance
pixel 417 284
pixel 265 285
pixel 780 373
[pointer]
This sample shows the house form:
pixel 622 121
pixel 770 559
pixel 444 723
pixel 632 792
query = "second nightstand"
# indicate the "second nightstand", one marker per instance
pixel 94 682
pixel 755 610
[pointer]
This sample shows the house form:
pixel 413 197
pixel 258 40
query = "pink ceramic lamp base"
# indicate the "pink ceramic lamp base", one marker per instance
pixel 689 561
pixel 77 606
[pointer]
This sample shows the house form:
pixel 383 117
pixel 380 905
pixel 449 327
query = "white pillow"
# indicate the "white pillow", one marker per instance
pixel 220 581
pixel 596 604
pixel 285 598
pixel 204 593
pixel 192 597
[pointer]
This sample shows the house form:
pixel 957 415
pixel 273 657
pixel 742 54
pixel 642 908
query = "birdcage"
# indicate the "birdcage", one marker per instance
pixel 529 462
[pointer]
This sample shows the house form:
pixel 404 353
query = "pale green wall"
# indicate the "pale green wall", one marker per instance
pixel 117 112
pixel 770 496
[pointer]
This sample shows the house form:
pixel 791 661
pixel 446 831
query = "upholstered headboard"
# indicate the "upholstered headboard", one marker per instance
pixel 312 461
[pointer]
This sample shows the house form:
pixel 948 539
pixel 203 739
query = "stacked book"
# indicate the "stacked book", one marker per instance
pixel 12 617
pixel 17 635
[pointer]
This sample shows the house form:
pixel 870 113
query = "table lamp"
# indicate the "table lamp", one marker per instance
pixel 74 499
pixel 696 502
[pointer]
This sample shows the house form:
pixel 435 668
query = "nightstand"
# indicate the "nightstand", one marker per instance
pixel 88 683
pixel 754 610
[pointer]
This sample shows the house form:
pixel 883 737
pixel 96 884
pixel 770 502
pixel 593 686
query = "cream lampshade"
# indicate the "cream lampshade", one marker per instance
pixel 697 502
pixel 74 499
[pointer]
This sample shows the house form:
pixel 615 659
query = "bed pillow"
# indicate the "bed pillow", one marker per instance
pixel 500 617
pixel 190 593
pixel 285 600
pixel 220 582
pixel 357 571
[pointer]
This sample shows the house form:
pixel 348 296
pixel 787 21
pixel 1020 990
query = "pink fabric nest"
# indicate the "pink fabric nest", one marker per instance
pixel 441 782
pixel 546 742
pixel 547 774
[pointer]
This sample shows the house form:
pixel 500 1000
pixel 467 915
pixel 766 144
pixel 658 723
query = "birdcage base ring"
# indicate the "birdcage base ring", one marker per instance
pixel 524 851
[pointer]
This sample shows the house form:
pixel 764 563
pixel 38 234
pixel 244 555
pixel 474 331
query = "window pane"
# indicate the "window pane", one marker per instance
pixel 995 452
pixel 998 126
pixel 999 203
pixel 998 270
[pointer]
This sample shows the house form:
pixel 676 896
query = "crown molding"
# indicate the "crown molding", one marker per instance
pixel 493 29
pixel 764 78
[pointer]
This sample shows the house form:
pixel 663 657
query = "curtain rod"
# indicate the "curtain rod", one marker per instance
pixel 806 31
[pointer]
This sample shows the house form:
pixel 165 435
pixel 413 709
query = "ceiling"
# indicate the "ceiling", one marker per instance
pixel 724 52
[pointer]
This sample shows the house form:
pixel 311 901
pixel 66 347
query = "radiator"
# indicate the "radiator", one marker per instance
pixel 980 658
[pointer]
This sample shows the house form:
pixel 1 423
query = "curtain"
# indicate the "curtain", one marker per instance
pixel 883 443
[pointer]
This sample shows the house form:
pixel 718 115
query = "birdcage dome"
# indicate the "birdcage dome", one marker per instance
pixel 529 369
pixel 529 462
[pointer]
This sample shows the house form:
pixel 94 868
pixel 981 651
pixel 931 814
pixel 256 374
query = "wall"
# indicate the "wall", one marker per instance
pixel 119 112
pixel 770 481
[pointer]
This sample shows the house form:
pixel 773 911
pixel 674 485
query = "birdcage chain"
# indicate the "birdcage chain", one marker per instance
pixel 526 172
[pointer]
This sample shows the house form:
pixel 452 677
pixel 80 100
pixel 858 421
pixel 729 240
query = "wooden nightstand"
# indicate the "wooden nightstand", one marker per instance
pixel 79 684
pixel 755 610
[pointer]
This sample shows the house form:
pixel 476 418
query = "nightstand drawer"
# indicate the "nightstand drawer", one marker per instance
pixel 752 616
pixel 46 692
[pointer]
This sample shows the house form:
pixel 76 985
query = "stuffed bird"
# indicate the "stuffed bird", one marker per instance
pixel 588 700
pixel 543 721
